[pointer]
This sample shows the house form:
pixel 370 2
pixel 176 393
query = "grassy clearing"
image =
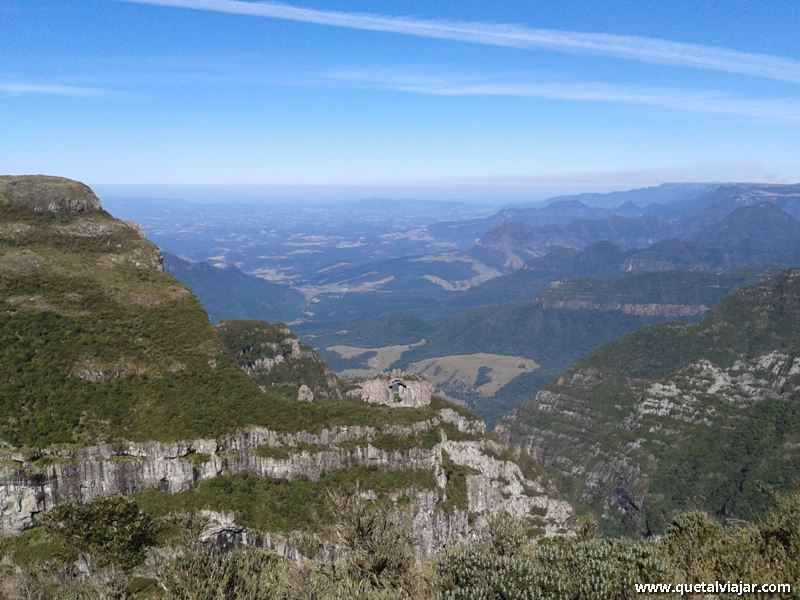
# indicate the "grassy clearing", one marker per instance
pixel 276 505
pixel 481 373
pixel 381 358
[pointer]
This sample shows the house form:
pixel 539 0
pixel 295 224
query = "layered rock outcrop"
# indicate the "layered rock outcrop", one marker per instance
pixel 32 485
pixel 651 309
pixel 397 388
pixel 674 417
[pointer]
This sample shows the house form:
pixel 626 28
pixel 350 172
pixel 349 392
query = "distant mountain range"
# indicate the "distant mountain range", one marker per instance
pixel 545 282
pixel 512 243
pixel 561 210
pixel 605 259
pixel 513 236
pixel 763 221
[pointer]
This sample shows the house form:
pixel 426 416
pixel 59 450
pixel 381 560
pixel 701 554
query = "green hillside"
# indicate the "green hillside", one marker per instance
pixel 277 361
pixel 552 338
pixel 230 294
pixel 677 417
pixel 98 343
pixel 753 321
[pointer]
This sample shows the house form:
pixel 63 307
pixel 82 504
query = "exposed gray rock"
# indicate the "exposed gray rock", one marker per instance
pixel 397 388
pixel 279 361
pixel 703 396
pixel 305 394
pixel 627 308
pixel 263 364
pixel 35 483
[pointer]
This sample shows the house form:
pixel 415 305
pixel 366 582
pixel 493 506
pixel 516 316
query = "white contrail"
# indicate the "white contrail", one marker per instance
pixel 643 49
pixel 783 110
pixel 49 89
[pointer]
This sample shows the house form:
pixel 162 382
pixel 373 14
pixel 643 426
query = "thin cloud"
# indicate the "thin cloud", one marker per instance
pixel 642 49
pixel 783 110
pixel 48 89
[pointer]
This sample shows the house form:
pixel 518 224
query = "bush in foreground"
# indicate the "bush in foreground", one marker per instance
pixel 374 560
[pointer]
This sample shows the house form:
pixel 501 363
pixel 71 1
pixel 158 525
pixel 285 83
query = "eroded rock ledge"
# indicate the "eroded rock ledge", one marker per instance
pixel 32 485
pixel 398 388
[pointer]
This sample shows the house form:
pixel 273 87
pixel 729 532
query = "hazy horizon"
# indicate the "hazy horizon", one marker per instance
pixel 480 196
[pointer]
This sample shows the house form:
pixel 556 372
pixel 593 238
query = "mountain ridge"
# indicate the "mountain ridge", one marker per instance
pixel 762 221
pixel 228 293
pixel 672 399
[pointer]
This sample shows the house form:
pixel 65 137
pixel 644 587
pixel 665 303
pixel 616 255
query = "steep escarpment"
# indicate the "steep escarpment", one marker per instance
pixel 278 361
pixel 96 341
pixel 457 476
pixel 113 381
pixel 672 294
pixel 677 417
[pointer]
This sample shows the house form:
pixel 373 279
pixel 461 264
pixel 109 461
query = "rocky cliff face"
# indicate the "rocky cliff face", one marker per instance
pixel 398 389
pixel 678 417
pixel 33 484
pixel 669 295
pixel 626 308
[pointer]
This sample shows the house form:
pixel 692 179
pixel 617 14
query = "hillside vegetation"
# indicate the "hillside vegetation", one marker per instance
pixel 677 417
pixel 277 361
pixel 227 293
pixel 98 343
pixel 376 564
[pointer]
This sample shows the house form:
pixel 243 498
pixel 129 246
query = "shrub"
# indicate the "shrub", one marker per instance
pixel 505 535
pixel 586 527
pixel 113 530
pixel 552 570
pixel 480 574
pixel 375 539
pixel 236 575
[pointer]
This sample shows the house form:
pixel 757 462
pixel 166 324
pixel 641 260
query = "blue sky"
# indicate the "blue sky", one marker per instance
pixel 502 97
